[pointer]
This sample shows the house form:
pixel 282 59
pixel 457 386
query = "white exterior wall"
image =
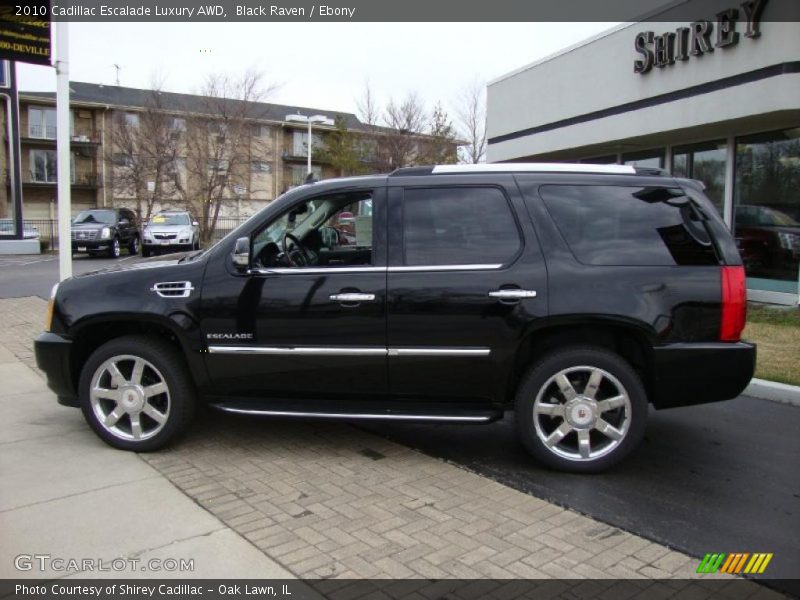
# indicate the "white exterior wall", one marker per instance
pixel 599 75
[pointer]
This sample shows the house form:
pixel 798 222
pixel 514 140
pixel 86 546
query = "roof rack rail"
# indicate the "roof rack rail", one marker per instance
pixel 528 168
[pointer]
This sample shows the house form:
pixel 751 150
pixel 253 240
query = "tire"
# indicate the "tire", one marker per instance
pixel 196 244
pixel 146 251
pixel 116 249
pixel 581 409
pixel 162 417
pixel 133 247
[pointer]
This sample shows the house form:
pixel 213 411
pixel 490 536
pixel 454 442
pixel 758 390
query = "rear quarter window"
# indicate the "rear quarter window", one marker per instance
pixel 627 225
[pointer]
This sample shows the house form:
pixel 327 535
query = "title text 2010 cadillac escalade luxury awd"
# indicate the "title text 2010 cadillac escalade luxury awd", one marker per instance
pixel 573 294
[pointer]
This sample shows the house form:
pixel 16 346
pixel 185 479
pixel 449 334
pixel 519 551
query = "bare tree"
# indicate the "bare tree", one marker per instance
pixel 471 123
pixel 367 106
pixel 398 142
pixel 144 150
pixel 439 146
pixel 222 141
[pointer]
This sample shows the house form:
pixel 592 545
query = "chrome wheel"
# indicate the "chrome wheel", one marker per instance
pixel 135 245
pixel 130 398
pixel 582 413
pixel 115 249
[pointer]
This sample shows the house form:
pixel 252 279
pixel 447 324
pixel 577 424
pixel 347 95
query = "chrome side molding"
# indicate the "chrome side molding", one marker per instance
pixel 512 294
pixel 348 351
pixel 359 416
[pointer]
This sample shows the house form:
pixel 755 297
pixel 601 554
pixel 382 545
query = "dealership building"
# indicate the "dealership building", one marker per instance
pixel 715 99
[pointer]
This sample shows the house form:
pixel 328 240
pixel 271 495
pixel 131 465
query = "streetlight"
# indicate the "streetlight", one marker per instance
pixel 316 119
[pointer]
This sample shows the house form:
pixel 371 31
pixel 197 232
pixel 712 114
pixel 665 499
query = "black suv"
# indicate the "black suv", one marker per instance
pixel 572 294
pixel 105 231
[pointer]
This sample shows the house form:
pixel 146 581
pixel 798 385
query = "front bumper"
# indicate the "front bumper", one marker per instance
pixel 52 356
pixel 90 245
pixel 687 374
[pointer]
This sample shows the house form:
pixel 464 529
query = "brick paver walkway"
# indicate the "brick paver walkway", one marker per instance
pixel 330 500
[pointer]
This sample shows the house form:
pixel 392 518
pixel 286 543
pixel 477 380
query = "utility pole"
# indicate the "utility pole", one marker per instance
pixel 63 151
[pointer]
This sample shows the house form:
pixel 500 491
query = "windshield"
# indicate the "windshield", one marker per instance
pixel 95 216
pixel 176 219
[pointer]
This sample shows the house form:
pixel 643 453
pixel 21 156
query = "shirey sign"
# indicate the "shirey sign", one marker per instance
pixel 24 38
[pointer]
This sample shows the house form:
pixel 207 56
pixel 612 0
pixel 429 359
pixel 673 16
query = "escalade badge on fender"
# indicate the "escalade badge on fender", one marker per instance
pixel 229 336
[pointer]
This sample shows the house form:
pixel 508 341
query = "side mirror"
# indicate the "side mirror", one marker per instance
pixel 124 222
pixel 241 253
pixel 195 224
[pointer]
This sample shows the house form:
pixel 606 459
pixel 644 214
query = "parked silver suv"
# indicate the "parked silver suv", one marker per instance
pixel 170 230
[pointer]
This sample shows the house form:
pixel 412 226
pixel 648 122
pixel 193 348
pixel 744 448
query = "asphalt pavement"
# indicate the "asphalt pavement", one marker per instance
pixel 718 477
pixel 35 275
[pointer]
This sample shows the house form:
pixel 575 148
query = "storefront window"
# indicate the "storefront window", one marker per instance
pixel 767 208
pixel 648 158
pixel 704 162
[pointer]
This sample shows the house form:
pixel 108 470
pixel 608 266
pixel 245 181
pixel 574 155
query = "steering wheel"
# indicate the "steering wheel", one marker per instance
pixel 302 252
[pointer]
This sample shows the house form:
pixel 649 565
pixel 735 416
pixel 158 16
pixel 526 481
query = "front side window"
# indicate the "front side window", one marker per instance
pixel 458 226
pixel 331 231
pixel 629 225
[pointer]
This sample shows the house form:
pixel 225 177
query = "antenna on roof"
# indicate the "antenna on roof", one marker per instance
pixel 118 68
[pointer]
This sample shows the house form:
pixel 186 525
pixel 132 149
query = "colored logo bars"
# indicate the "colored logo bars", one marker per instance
pixel 735 563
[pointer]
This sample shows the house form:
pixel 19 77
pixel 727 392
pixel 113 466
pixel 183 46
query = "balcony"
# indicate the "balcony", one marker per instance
pixel 84 181
pixel 298 155
pixel 38 134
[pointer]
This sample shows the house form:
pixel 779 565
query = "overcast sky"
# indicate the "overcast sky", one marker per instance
pixel 316 64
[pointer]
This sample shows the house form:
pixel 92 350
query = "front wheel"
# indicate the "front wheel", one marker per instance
pixel 133 247
pixel 581 410
pixel 136 393
pixel 115 249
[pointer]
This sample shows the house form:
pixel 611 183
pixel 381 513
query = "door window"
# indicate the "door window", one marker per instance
pixel 458 226
pixel 332 231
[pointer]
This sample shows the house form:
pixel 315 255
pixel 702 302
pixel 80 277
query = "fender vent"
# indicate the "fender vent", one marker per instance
pixel 173 289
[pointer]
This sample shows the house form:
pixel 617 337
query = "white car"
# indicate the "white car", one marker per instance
pixel 169 231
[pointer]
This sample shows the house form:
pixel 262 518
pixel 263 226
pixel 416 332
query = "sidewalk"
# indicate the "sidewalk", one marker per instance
pixel 265 498
pixel 66 494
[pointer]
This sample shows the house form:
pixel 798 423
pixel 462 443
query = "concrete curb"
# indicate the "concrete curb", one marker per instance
pixel 774 391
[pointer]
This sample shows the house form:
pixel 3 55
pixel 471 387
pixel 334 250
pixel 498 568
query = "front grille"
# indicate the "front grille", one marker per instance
pixel 165 236
pixel 173 289
pixel 85 235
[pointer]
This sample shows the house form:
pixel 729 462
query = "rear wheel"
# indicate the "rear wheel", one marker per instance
pixel 136 393
pixel 146 251
pixel 133 247
pixel 581 409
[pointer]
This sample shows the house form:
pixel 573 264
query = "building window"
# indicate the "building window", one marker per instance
pixel 218 164
pixel 217 127
pixel 767 208
pixel 44 169
pixel 42 123
pixel 122 160
pixel 260 166
pixel 131 119
pixel 259 131
pixel 177 124
pixel 647 158
pixel 300 172
pixel 704 162
pixel 300 143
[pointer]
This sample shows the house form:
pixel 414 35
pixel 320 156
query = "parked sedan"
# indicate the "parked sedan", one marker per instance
pixel 171 230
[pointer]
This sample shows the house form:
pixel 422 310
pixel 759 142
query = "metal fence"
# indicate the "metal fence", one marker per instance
pixel 48 228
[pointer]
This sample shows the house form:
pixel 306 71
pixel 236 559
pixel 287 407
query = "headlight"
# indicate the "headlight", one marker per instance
pixel 105 232
pixel 48 319
pixel 788 240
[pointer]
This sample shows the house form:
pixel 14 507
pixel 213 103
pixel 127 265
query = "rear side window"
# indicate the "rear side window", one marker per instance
pixel 626 225
pixel 458 226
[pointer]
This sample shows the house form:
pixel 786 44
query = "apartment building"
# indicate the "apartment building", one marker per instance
pixel 277 148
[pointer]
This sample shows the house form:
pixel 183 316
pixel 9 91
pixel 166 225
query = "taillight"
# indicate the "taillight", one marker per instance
pixel 734 304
